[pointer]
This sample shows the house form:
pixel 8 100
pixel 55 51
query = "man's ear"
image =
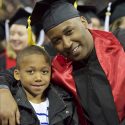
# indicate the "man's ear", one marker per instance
pixel 84 21
pixel 16 74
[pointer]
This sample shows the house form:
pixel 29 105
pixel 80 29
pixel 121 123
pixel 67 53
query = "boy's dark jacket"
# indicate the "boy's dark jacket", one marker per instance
pixel 61 109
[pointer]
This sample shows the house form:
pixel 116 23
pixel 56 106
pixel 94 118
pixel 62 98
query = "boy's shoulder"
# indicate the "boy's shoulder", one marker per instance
pixel 60 90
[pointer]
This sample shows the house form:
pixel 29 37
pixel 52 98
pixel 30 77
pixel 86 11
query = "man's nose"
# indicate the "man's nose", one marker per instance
pixel 66 42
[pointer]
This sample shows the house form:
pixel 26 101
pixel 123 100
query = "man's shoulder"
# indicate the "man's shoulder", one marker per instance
pixel 101 33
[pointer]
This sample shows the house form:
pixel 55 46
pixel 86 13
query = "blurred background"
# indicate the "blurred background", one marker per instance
pixel 10 6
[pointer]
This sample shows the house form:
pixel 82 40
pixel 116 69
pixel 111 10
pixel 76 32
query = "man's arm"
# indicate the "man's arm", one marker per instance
pixel 7 78
pixel 9 113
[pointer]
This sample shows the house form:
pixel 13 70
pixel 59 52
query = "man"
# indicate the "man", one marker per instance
pixel 92 72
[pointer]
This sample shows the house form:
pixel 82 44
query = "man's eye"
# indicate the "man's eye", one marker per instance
pixel 69 32
pixel 56 41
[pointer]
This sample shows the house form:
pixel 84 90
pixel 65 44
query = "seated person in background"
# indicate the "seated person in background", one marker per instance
pixel 90 13
pixel 117 21
pixel 18 36
pixel 39 102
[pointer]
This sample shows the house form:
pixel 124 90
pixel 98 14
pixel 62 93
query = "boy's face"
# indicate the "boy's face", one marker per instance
pixel 18 37
pixel 35 74
pixel 72 39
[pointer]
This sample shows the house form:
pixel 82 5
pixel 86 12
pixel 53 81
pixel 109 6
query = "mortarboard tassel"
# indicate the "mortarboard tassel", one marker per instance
pixel 29 29
pixel 76 4
pixel 107 18
pixel 7 30
pixel 30 39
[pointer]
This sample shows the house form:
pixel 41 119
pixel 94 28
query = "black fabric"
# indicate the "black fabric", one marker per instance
pixel 52 12
pixel 2 30
pixel 120 35
pixel 50 49
pixel 20 17
pixel 95 93
pixel 87 11
pixel 2 62
pixel 7 78
pixel 117 10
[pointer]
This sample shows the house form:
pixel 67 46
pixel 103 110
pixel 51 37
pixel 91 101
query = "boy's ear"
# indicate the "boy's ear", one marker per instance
pixel 84 21
pixel 16 74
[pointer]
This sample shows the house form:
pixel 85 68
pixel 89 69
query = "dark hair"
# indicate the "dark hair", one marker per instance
pixel 32 50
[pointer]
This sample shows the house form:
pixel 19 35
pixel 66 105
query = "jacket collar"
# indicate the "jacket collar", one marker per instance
pixel 56 104
pixel 22 99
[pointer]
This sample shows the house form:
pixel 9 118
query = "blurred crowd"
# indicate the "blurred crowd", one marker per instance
pixel 9 7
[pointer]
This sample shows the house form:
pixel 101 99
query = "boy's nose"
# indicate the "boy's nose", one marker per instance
pixel 38 77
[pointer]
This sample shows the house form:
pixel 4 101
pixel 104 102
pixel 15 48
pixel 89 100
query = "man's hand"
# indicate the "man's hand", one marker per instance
pixel 9 113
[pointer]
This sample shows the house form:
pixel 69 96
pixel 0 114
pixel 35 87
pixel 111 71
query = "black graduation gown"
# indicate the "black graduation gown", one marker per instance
pixel 120 35
pixel 95 92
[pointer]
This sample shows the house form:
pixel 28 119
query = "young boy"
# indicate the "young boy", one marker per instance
pixel 39 102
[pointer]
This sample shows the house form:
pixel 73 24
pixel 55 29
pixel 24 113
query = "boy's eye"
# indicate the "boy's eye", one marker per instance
pixel 30 71
pixel 45 72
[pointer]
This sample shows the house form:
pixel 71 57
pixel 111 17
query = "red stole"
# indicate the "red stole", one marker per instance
pixel 10 62
pixel 112 59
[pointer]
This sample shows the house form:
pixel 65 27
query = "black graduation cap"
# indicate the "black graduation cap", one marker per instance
pixel 2 30
pixel 21 16
pixel 87 11
pixel 117 10
pixel 53 12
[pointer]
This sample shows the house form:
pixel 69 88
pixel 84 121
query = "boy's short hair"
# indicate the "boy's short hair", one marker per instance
pixel 32 50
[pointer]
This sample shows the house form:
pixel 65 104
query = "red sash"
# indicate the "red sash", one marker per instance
pixel 112 59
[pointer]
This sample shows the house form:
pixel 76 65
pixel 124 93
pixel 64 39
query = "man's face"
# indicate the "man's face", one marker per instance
pixel 34 74
pixel 18 37
pixel 72 39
